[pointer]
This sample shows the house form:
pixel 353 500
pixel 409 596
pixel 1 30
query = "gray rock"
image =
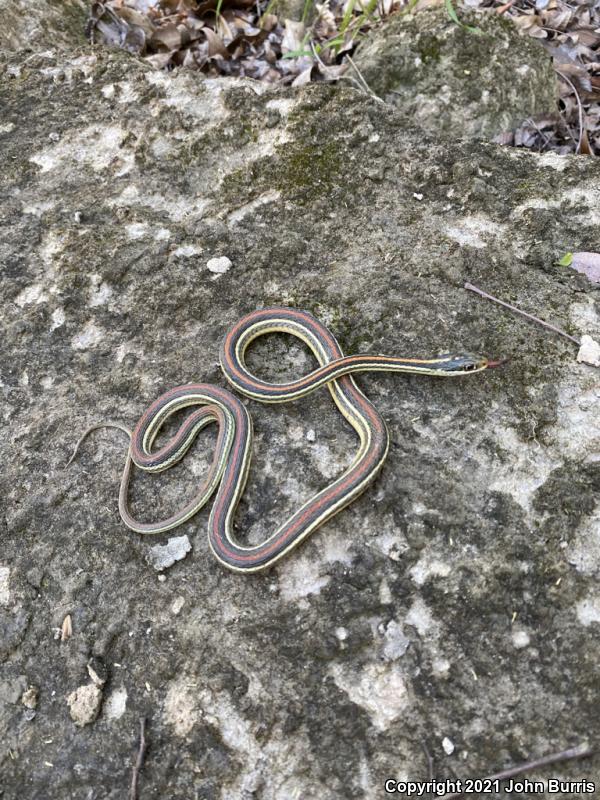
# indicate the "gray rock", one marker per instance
pixel 276 684
pixel 42 23
pixel 450 81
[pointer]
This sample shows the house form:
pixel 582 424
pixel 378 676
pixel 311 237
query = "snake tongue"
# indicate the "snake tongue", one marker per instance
pixel 492 364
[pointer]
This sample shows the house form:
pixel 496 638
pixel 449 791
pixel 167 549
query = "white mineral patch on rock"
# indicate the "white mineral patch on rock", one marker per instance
pixel 327 462
pixel 583 315
pixel 588 611
pixel 136 230
pixel 520 639
pixel 186 251
pixel 385 593
pixel 116 703
pixel 419 617
pixel 241 212
pixel 336 548
pixel 426 568
pixel 440 667
pixel 91 335
pixel 84 704
pixel 181 706
pixel 4 586
pixel 177 605
pixel 127 94
pixel 553 160
pixel 100 292
pixel 395 643
pixel 178 207
pixel 526 468
pixel 31 294
pixel 96 147
pixel 378 688
pixel 300 577
pixel 163 556
pixel 474 231
pixel 58 318
pixel 584 552
pixel 341 633
pixel 37 209
pixel 391 541
pixel 283 105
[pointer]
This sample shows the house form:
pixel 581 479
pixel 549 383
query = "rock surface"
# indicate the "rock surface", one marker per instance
pixel 457 601
pixel 42 24
pixel 451 81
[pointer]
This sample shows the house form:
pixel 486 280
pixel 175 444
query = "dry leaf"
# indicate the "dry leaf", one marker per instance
pixel 303 78
pixel 293 36
pixel 167 37
pixel 588 264
pixel 215 44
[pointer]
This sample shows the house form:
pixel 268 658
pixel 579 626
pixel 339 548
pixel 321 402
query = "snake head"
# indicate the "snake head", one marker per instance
pixel 461 363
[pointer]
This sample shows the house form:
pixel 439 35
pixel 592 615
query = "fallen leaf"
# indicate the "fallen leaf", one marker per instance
pixel 566 260
pixel 167 37
pixel 293 36
pixel 586 263
pixel 303 78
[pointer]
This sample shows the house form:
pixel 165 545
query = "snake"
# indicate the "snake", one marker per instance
pixel 229 469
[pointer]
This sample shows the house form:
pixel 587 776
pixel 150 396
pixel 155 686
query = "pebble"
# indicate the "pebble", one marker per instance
pixel 84 704
pixel 219 265
pixel 448 746
pixel 163 556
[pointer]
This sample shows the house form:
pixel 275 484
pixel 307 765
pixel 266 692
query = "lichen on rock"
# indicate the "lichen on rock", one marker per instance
pixel 451 80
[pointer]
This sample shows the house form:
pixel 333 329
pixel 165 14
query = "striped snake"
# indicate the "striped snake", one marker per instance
pixel 229 469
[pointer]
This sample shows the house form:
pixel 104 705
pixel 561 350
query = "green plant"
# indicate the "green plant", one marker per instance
pixel 454 17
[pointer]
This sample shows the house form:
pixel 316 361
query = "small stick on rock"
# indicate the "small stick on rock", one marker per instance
pixel 522 313
pixel 363 82
pixel 579 107
pixel 430 772
pixel 139 762
pixel 581 751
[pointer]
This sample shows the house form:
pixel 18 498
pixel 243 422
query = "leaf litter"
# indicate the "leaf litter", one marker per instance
pixel 570 31
pixel 251 38
pixel 243 38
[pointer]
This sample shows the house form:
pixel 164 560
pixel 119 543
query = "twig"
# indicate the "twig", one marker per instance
pixel 317 56
pixel 366 86
pixel 505 7
pixel 539 130
pixel 139 762
pixel 429 761
pixel 522 313
pixel 579 106
pixel 581 751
